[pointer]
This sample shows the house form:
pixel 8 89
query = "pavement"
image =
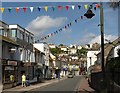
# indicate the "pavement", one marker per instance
pixel 83 86
pixel 33 86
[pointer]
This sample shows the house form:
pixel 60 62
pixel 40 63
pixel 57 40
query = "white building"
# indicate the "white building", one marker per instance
pixel 91 57
pixel 43 47
pixel 52 46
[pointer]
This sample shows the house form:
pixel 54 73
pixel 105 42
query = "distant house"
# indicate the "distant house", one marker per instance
pixel 52 46
pixel 91 57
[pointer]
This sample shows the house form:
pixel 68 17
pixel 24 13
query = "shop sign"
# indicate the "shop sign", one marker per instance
pixel 14 63
pixel 9 68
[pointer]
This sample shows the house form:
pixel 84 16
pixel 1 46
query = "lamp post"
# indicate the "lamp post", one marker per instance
pixel 89 14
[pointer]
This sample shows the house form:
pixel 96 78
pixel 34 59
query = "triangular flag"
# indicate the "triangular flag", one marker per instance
pixel 81 17
pixel 17 9
pixel 79 6
pixel 2 10
pixel 39 8
pixel 46 8
pixel 68 25
pixel 67 7
pixel 86 6
pixel 76 20
pixel 65 27
pixel 90 6
pixel 53 8
pixel 97 5
pixel 73 7
pixel 54 32
pixel 94 8
pixel 9 9
pixel 31 9
pixel 24 8
pixel 59 7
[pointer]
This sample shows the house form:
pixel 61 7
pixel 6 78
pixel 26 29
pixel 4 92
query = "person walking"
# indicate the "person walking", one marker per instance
pixel 58 75
pixel 27 81
pixel 23 80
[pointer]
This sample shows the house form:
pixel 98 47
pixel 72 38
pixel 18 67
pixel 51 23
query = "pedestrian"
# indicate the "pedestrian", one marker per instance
pixel 11 78
pixel 58 75
pixel 27 81
pixel 23 80
pixel 55 75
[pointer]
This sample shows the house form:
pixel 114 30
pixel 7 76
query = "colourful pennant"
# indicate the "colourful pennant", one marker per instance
pixel 39 8
pixel 94 8
pixel 9 9
pixel 79 6
pixel 53 8
pixel 73 7
pixel 81 17
pixel 2 9
pixel 24 8
pixel 76 20
pixel 86 6
pixel 67 7
pixel 46 8
pixel 97 5
pixel 17 9
pixel 59 7
pixel 91 6
pixel 31 9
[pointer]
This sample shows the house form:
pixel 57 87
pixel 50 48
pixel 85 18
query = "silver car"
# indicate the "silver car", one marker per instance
pixel 70 75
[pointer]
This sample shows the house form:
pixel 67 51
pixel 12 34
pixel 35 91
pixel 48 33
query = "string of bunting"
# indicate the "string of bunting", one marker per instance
pixel 31 8
pixel 61 29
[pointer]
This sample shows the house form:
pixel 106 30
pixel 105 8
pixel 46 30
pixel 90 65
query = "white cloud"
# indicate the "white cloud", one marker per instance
pixel 43 23
pixel 108 37
pixel 87 38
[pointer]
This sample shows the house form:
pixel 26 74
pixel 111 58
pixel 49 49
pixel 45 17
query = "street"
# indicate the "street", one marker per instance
pixel 69 84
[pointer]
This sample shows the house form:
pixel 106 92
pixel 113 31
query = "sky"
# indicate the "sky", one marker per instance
pixel 42 23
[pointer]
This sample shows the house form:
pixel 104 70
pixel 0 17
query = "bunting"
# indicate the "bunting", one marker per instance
pixel 86 6
pixel 31 9
pixel 62 29
pixel 9 9
pixel 24 8
pixel 17 9
pixel 2 10
pixel 73 7
pixel 46 8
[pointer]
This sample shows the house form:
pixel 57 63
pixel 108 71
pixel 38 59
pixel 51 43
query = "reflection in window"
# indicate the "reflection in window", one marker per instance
pixel 13 33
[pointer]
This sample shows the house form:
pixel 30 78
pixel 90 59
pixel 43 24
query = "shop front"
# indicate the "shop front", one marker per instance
pixel 9 73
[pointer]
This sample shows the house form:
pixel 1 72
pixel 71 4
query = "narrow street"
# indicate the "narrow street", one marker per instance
pixel 69 84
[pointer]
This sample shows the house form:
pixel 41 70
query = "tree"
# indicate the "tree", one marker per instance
pixel 55 51
pixel 82 52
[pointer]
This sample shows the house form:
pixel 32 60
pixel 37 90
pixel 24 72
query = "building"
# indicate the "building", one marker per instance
pixel 52 46
pixel 44 47
pixel 91 57
pixel 17 53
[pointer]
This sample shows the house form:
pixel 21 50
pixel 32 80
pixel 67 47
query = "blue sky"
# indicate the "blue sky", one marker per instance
pixel 83 32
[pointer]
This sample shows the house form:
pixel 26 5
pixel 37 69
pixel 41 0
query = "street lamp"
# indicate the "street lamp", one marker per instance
pixel 89 15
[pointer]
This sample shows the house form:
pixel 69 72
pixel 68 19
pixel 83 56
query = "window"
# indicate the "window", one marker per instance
pixel 13 32
pixel 18 34
pixel 1 31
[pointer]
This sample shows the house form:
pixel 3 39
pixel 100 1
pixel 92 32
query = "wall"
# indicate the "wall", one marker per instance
pixel 91 58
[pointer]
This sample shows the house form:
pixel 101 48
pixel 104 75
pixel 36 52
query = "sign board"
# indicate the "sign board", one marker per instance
pixel 14 63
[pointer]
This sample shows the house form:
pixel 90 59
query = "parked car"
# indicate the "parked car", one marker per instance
pixel 70 75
